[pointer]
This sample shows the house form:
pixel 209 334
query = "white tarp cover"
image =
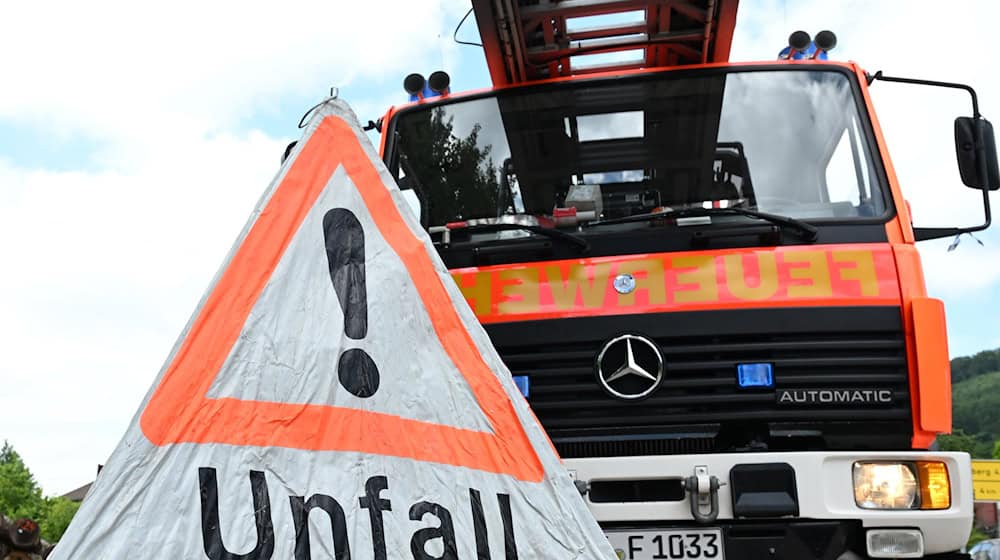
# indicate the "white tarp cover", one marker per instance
pixel 333 396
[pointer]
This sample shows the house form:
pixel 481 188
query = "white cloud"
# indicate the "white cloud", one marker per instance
pixel 101 66
pixel 104 269
pixel 103 266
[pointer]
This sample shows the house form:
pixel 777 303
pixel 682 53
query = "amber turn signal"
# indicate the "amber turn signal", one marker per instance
pixel 935 488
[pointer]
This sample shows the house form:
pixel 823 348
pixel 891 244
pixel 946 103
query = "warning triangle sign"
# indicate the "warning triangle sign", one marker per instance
pixel 333 365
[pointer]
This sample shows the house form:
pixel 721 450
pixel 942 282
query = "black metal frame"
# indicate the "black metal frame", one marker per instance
pixel 391 159
pixel 922 234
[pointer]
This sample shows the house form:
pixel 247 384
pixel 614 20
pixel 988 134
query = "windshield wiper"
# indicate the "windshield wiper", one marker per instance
pixel 580 243
pixel 805 231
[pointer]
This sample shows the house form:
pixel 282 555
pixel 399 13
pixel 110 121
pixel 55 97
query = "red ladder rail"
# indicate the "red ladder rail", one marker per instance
pixel 530 40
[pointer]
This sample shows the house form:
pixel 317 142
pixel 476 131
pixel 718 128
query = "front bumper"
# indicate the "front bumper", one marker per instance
pixel 823 483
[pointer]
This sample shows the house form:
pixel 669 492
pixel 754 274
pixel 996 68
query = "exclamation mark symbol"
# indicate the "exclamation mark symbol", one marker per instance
pixel 345 253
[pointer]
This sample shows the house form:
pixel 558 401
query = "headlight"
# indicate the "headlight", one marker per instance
pixel 884 486
pixel 891 485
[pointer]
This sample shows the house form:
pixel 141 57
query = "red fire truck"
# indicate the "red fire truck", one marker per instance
pixel 702 275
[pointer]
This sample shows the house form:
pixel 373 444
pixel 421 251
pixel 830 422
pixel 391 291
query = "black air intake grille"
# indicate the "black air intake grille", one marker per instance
pixel 700 384
pixel 606 447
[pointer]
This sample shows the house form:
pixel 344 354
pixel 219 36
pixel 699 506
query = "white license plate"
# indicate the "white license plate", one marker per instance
pixel 667 544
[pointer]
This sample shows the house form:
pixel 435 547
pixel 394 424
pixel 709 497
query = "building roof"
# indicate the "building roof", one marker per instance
pixel 79 494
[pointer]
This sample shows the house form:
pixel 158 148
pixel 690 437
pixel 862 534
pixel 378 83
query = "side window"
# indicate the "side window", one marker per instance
pixel 848 177
pixel 841 178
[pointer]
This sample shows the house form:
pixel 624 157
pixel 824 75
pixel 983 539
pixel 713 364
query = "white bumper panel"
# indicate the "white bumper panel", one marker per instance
pixel 823 480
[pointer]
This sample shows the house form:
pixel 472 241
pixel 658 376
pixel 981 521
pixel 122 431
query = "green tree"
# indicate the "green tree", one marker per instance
pixel 967 367
pixel 455 178
pixel 60 512
pixel 961 441
pixel 20 495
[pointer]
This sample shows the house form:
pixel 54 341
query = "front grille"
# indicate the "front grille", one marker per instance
pixel 700 396
pixel 648 490
pixel 603 446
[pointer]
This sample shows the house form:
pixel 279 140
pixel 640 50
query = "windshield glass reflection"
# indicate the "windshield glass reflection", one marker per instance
pixel 783 142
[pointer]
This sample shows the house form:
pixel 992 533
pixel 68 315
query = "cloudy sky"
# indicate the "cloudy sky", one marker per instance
pixel 135 139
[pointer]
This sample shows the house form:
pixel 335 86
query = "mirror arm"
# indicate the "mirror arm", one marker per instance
pixel 921 234
pixel 983 171
pixel 975 98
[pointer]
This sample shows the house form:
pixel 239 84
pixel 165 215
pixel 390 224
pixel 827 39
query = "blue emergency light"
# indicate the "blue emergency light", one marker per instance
pixel 755 375
pixel 522 383
pixel 436 85
pixel 802 47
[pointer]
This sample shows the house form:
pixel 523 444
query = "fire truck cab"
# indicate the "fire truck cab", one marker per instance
pixel 702 275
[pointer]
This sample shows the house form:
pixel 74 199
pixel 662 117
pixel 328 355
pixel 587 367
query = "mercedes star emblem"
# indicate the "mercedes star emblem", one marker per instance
pixel 630 367
pixel 624 283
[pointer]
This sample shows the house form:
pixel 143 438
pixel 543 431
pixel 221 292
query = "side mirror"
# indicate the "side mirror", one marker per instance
pixel 976 149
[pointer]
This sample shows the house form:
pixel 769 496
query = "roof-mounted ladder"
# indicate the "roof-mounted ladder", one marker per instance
pixel 528 40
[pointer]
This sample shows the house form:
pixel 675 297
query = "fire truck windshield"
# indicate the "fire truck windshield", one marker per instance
pixel 787 142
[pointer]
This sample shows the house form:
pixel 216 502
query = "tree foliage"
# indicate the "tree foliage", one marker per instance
pixel 961 441
pixel 967 367
pixel 20 496
pixel 455 178
pixel 59 513
pixel 976 411
pixel 975 405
